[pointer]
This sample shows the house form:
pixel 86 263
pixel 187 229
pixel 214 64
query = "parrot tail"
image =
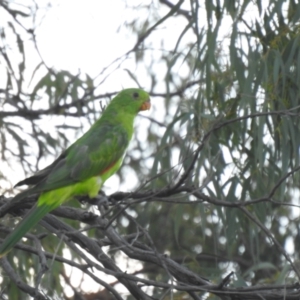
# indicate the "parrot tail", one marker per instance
pixel 30 219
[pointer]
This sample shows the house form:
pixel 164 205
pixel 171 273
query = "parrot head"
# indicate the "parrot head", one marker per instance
pixel 133 100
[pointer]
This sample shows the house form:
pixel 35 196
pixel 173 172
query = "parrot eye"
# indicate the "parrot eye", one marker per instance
pixel 135 95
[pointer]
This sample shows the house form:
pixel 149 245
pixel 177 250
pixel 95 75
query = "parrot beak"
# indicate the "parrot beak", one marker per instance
pixel 146 105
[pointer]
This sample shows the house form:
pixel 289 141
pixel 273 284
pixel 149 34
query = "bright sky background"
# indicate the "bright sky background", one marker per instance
pixel 82 35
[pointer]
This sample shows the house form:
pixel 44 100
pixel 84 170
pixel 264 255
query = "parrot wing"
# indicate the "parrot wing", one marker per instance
pixel 91 155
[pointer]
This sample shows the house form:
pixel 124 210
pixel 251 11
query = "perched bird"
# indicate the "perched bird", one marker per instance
pixel 83 167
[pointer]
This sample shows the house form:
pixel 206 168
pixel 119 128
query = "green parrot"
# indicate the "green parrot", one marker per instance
pixel 83 167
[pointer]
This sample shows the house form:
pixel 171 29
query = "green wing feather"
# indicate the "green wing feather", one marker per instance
pixel 87 157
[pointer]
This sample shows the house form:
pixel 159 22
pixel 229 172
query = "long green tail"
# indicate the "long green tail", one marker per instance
pixel 30 220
